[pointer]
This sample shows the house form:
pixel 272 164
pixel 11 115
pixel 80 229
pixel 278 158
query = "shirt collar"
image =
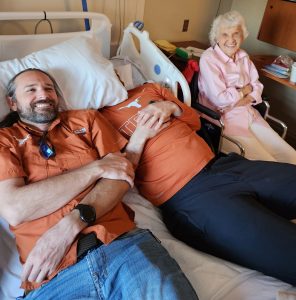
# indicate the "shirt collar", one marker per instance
pixel 33 130
pixel 225 58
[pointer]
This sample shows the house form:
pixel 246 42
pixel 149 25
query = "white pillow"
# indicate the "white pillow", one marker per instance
pixel 86 79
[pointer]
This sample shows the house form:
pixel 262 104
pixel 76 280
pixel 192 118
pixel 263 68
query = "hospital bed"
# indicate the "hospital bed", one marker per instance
pixel 213 278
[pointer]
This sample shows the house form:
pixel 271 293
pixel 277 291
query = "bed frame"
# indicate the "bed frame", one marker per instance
pixel 213 278
pixel 157 66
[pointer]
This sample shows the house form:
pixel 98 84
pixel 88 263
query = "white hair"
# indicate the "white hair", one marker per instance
pixel 229 19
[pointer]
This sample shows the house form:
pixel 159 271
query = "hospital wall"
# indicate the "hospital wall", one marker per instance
pixel 282 98
pixel 164 19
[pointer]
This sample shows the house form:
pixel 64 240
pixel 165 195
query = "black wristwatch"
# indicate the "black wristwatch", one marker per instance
pixel 87 213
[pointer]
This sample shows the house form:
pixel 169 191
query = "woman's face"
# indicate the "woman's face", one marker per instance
pixel 229 39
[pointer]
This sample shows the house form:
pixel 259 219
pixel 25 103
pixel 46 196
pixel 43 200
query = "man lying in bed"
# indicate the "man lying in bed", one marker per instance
pixel 231 207
pixel 61 175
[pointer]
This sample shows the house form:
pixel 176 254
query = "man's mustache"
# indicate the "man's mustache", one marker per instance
pixel 43 101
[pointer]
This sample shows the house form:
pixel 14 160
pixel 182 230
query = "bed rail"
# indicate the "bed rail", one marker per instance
pixel 10 44
pixel 157 66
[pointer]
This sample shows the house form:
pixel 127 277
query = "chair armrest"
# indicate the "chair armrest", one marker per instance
pixel 263 109
pixel 237 143
pixel 205 110
pixel 216 116
pixel 283 125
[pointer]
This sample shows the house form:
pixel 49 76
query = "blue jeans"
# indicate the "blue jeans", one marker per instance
pixel 134 266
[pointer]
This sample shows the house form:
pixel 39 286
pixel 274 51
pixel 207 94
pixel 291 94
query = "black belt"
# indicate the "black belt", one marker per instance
pixel 87 242
pixel 208 165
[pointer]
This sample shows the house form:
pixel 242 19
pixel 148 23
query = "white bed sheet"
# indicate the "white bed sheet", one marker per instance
pixel 212 278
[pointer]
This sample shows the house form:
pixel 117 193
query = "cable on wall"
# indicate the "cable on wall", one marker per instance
pixel 218 8
pixel 121 16
pixel 104 6
pixel 86 21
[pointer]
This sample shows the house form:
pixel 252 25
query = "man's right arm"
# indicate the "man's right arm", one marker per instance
pixel 146 129
pixel 21 202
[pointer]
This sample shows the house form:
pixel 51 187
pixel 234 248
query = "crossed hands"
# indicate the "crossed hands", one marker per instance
pixel 52 246
pixel 155 117
pixel 246 90
pixel 247 99
pixel 117 166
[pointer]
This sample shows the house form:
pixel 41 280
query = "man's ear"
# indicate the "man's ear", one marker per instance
pixel 11 103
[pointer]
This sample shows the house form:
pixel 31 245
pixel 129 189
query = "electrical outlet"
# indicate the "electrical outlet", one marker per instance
pixel 185 25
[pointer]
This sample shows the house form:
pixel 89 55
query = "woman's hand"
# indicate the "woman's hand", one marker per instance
pixel 248 100
pixel 246 90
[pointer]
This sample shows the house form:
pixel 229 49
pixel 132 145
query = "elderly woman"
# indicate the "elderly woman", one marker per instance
pixel 228 83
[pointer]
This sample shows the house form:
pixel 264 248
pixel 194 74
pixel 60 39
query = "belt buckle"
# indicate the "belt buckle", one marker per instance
pixel 87 242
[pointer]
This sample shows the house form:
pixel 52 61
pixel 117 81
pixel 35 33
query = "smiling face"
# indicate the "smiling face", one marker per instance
pixel 35 100
pixel 229 39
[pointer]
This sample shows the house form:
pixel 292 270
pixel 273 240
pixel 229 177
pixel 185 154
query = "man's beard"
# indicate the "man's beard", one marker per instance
pixel 41 117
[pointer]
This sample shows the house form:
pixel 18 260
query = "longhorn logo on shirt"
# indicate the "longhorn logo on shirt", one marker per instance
pixel 129 126
pixel 134 103
pixel 22 141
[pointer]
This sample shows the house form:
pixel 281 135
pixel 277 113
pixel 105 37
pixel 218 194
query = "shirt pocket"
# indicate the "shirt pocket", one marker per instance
pixel 34 165
pixel 75 151
pixel 72 160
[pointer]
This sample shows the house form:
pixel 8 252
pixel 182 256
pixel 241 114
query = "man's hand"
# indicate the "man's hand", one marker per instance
pixel 117 166
pixel 50 248
pixel 148 128
pixel 159 110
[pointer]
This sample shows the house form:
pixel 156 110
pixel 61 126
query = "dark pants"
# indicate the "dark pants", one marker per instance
pixel 239 210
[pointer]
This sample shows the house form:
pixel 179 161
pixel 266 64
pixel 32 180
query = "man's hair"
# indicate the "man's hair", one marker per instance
pixel 13 116
pixel 11 87
pixel 229 19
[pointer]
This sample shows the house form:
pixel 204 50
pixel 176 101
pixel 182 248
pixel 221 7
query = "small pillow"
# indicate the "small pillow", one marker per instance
pixel 86 79
pixel 125 75
pixel 130 73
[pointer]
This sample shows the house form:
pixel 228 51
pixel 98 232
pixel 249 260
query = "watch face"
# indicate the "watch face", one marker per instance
pixel 87 213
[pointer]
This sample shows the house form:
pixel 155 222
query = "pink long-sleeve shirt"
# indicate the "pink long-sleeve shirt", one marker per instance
pixel 219 80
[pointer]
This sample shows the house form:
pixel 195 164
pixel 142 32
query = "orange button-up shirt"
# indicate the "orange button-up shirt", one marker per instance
pixel 79 137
